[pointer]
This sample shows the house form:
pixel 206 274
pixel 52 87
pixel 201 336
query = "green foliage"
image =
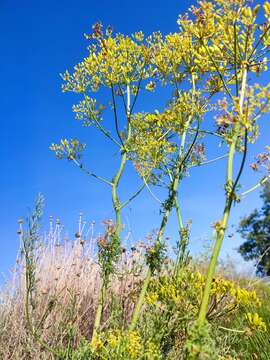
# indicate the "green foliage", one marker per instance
pixel 238 317
pixel 200 344
pixel 255 229
pixel 155 256
pixel 109 250
pixel 30 242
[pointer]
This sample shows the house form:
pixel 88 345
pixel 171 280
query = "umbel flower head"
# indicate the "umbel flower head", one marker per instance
pixel 112 60
pixel 232 49
pixel 154 140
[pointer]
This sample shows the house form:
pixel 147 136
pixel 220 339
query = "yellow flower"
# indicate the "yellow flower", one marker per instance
pixel 113 340
pixel 266 8
pixel 152 298
pixel 256 321
pixel 97 343
pixel 134 344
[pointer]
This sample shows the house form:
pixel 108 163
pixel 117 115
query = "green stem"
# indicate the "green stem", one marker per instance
pixel 139 304
pixel 226 213
pixel 117 210
pixel 207 162
pixel 87 172
pixel 115 182
pixel 255 187
pixel 183 242
pixel 182 158
pixel 168 208
pixel 178 214
pixel 149 274
pixel 97 322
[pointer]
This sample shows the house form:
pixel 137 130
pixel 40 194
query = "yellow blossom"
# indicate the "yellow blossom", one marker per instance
pixel 256 321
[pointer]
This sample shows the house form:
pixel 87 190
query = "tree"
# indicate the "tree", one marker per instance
pixel 255 229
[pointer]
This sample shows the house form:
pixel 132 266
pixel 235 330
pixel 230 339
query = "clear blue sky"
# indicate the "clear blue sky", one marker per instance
pixel 40 39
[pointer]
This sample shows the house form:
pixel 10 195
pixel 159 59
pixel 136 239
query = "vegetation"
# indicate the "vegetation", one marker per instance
pixel 66 296
pixel 255 229
pixel 148 305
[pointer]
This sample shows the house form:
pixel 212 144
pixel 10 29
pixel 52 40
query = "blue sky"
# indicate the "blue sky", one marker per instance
pixel 40 39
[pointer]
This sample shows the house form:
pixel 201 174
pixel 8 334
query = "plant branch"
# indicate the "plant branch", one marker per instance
pixel 210 161
pixel 115 116
pixel 255 187
pixel 218 71
pixel 106 133
pixel 259 41
pixel 80 165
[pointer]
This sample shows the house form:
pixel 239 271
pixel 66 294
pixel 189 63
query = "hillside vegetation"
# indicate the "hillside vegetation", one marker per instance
pixel 65 299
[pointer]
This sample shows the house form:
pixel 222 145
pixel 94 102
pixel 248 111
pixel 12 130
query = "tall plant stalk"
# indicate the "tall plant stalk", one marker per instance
pixel 115 182
pixel 117 209
pixel 172 201
pixel 169 204
pixel 183 240
pixel 231 186
pixel 182 244
pixel 30 240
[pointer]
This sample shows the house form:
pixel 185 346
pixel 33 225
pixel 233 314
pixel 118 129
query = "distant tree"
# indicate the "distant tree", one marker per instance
pixel 255 229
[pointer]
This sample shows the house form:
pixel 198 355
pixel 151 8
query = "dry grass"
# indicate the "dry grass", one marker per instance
pixel 69 278
pixel 68 283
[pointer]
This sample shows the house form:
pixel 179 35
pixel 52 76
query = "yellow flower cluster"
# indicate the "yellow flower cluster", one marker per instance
pixel 255 321
pixel 182 293
pixel 116 344
pixel 134 344
pixel 235 294
pixel 112 61
pixel 97 343
pixel 225 30
pixel 266 7
pixel 151 144
pixel 167 54
pixel 186 291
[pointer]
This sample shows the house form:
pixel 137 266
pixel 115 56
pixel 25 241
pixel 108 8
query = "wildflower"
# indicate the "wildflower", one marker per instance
pixel 256 321
pixel 97 344
pixel 135 345
pixel 113 340
pixel 152 298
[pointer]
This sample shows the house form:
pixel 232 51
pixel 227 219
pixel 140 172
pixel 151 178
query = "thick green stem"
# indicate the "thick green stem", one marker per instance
pixel 101 298
pixel 212 267
pixel 116 179
pixel 118 225
pixel 226 213
pixel 178 215
pixel 115 183
pixel 139 304
pixel 177 208
pixel 182 242
pixel 168 207
pixel 149 274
